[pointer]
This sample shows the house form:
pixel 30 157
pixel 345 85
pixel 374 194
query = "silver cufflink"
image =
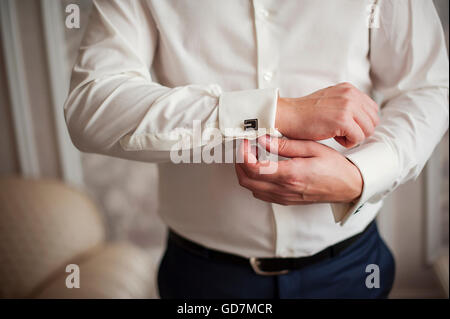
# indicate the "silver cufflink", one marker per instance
pixel 251 124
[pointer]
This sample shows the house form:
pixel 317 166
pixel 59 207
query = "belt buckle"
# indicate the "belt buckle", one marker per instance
pixel 256 263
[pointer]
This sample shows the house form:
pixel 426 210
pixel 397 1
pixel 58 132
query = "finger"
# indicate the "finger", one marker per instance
pixel 249 162
pixel 374 117
pixel 268 199
pixel 371 108
pixel 344 84
pixel 290 148
pixel 272 171
pixel 249 152
pixel 364 122
pixel 341 140
pixel 259 185
pixel 247 155
pixel 279 200
pixel 371 103
pixel 276 172
pixel 352 136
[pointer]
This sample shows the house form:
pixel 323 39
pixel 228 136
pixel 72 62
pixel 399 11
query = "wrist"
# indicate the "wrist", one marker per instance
pixel 358 183
pixel 285 117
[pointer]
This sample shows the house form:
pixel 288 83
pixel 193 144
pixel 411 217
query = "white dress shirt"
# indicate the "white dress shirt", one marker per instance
pixel 147 69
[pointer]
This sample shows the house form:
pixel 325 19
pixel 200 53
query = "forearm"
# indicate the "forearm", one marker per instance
pixel 129 113
pixel 114 106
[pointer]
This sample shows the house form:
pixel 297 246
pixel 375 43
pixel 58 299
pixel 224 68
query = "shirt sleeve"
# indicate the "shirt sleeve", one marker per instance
pixel 115 108
pixel 409 70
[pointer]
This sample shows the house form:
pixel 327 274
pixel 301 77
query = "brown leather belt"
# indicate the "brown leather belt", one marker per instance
pixel 266 266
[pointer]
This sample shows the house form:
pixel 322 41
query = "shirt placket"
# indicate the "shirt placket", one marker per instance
pixel 267 66
pixel 267 53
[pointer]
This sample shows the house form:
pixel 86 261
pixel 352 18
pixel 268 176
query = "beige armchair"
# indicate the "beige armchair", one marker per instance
pixel 45 226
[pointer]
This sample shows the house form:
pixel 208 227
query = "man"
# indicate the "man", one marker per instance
pixel 302 71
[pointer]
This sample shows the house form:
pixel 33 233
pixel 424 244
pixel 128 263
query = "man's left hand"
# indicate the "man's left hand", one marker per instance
pixel 313 173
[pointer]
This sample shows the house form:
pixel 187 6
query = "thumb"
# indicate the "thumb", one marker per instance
pixel 290 148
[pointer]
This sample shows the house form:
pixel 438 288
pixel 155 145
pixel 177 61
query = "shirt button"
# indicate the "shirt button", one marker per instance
pixel 264 13
pixel 268 76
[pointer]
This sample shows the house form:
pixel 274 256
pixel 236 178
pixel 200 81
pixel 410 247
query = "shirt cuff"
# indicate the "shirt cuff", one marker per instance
pixel 379 168
pixel 237 106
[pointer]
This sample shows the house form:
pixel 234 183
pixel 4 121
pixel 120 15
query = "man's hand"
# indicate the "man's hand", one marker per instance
pixel 340 111
pixel 313 173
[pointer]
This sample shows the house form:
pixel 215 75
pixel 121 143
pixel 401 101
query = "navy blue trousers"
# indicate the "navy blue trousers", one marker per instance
pixel 185 275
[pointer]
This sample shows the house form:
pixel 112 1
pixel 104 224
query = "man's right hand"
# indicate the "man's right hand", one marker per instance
pixel 341 111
